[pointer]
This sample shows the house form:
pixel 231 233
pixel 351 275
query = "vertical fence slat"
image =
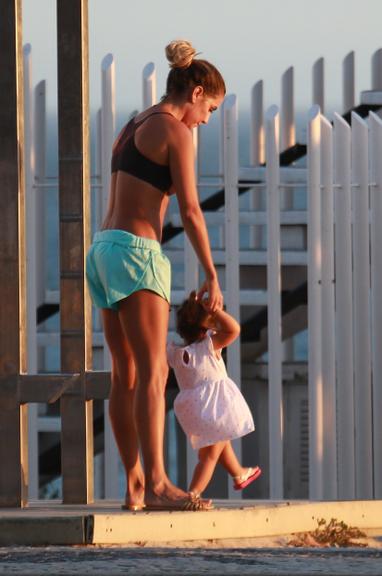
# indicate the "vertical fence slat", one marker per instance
pixel 376 294
pixel 232 264
pixel 191 264
pixel 348 82
pixel 32 272
pixel 107 124
pixel 107 129
pixel 376 70
pixel 232 226
pixel 315 307
pixel 149 86
pixel 344 309
pixel 191 282
pixel 328 314
pixel 111 454
pixel 361 296
pixel 275 395
pixel 39 145
pixel 39 148
pixel 257 157
pixel 318 77
pixel 30 208
pixel 287 125
pixel 257 142
pixel 96 197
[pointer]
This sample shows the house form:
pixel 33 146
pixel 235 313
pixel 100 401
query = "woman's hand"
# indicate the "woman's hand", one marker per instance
pixel 214 299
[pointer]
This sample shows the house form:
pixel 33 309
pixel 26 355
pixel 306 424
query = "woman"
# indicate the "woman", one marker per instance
pixel 129 276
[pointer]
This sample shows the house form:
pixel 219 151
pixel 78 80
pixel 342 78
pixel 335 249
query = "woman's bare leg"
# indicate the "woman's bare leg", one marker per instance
pixel 208 458
pixel 121 406
pixel 144 317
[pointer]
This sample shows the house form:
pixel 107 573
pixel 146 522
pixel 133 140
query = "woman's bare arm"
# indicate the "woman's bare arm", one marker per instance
pixel 181 160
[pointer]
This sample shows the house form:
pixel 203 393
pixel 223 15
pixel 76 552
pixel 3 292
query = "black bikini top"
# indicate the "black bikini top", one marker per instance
pixel 128 158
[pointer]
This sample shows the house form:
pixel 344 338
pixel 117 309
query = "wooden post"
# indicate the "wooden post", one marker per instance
pixel 76 411
pixel 13 358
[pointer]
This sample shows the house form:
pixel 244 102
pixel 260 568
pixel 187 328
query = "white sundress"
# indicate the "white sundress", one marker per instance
pixel 209 407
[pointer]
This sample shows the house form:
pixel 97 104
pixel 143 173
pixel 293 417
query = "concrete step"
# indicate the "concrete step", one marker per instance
pixel 52 523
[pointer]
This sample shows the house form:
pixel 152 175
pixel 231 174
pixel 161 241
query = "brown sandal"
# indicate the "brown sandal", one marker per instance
pixel 133 507
pixel 193 503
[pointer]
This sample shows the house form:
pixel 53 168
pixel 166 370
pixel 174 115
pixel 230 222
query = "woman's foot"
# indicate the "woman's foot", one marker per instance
pixel 135 496
pixel 245 479
pixel 133 507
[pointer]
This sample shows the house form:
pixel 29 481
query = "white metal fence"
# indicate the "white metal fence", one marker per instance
pixel 343 179
pixel 344 299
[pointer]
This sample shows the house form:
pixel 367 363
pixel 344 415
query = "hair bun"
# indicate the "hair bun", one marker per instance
pixel 180 53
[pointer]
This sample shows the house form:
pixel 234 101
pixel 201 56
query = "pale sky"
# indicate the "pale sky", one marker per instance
pixel 247 40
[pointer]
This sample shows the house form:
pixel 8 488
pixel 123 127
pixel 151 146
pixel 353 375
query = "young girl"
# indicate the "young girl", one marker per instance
pixel 210 407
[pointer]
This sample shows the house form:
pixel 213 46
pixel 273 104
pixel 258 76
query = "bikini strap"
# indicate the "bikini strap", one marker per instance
pixel 136 124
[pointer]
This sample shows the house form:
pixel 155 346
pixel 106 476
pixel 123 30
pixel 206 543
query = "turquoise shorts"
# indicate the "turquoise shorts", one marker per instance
pixel 119 263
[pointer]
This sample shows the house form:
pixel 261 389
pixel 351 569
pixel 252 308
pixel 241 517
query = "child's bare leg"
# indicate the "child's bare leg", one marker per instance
pixel 229 461
pixel 208 458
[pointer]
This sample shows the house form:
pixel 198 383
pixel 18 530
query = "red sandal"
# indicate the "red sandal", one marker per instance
pixel 244 480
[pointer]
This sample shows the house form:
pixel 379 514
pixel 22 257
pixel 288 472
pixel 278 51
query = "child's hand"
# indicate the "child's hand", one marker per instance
pixel 204 302
pixel 211 320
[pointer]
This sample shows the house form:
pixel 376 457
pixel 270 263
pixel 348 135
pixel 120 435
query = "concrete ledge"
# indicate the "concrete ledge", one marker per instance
pixel 240 522
pixel 32 531
pixel 106 523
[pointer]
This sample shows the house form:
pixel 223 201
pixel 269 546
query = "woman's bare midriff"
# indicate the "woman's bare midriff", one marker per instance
pixel 135 206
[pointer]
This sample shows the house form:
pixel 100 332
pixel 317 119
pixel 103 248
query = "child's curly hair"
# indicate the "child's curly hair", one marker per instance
pixel 190 319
